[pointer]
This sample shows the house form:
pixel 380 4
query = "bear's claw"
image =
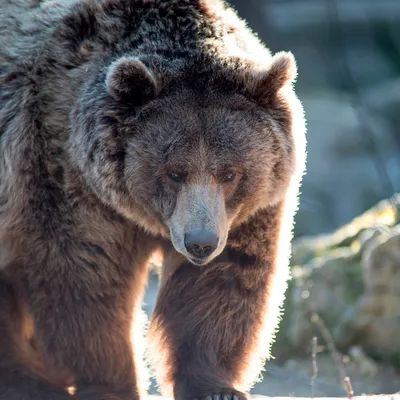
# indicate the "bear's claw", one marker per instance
pixel 224 395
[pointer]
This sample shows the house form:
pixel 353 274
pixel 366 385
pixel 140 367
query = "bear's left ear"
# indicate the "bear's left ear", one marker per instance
pixel 129 80
pixel 264 85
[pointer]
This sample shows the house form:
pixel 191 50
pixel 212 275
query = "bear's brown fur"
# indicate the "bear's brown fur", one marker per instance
pixel 129 127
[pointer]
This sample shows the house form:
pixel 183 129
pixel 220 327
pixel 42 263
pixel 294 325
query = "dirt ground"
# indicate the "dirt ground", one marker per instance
pixel 294 379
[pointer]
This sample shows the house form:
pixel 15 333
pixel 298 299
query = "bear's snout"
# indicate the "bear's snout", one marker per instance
pixel 201 243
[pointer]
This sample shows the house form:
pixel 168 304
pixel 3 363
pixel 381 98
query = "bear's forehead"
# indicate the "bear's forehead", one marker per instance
pixel 211 121
pixel 205 110
pixel 211 136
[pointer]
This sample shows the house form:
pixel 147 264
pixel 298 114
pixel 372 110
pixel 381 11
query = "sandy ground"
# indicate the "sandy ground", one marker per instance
pixel 261 397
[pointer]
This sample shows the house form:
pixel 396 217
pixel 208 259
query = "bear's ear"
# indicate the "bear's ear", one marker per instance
pixel 264 85
pixel 129 80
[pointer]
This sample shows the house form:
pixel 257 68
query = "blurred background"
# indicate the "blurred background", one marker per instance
pixel 348 54
pixel 345 290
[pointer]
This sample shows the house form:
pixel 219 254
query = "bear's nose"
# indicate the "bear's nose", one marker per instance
pixel 201 244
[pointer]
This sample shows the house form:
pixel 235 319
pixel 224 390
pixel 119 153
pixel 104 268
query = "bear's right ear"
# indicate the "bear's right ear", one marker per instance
pixel 264 85
pixel 129 80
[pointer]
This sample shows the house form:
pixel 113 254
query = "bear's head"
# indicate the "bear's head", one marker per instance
pixel 189 150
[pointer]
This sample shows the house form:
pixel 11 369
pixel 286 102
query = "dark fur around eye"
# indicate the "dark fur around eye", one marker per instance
pixel 176 177
pixel 228 177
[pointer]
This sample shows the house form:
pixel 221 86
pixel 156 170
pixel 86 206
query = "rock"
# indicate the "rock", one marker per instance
pixel 351 280
pixel 368 366
pixel 378 324
pixel 355 234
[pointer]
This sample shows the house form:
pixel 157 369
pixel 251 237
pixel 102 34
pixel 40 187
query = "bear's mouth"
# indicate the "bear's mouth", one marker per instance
pixel 199 261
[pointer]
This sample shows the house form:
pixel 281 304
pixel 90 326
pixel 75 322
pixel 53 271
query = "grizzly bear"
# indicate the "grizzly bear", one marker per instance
pixel 129 127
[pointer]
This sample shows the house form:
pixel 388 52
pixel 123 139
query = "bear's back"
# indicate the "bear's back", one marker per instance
pixel 48 46
pixel 24 24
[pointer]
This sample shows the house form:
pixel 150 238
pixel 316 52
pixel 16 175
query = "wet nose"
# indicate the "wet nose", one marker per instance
pixel 201 244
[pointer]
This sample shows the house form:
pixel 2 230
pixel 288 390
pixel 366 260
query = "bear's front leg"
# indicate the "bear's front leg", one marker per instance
pixel 214 323
pixel 22 376
pixel 82 303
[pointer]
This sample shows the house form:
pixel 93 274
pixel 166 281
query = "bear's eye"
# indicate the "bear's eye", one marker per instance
pixel 176 177
pixel 228 177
